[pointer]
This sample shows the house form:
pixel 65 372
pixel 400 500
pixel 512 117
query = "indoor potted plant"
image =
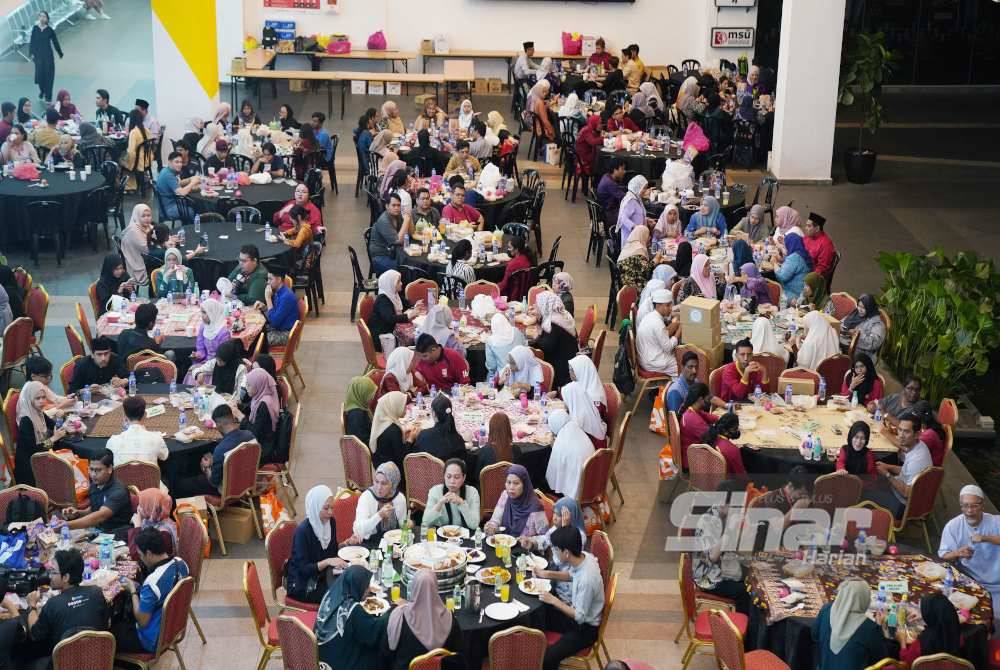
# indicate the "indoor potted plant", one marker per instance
pixel 865 64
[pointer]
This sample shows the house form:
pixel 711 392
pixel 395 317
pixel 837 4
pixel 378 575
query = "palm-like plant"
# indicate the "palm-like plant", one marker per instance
pixel 866 64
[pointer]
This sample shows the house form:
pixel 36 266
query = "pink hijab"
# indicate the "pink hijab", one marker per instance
pixel 425 614
pixel 262 389
pixel 787 218
pixel 706 284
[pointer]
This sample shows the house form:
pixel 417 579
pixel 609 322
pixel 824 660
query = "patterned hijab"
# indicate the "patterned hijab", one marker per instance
pixel 339 602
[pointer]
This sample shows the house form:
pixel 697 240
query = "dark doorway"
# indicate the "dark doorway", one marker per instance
pixel 768 33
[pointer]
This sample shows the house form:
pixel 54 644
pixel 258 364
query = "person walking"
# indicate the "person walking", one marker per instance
pixel 43 41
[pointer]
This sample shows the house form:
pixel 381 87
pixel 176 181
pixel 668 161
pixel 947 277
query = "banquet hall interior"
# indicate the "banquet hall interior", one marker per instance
pixel 914 233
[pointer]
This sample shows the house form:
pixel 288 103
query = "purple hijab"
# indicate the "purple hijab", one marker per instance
pixel 755 286
pixel 517 510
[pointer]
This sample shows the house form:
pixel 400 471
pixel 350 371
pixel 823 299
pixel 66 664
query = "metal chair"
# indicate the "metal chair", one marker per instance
pixel 357 459
pixel 517 647
pixel 9 495
pixel 96 155
pixel 727 640
pixel 86 650
pixel 595 478
pixel 16 347
pixel 597 235
pixel 192 544
pixel 920 503
pixel 421 471
pixel 241 163
pixel 54 476
pixel 361 285
pixel 267 630
pixel 173 627
pixel 45 219
pixel 278 549
pixel 239 478
pixel 299 650
pixel 140 474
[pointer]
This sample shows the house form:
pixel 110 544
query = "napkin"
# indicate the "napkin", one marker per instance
pixel 521 607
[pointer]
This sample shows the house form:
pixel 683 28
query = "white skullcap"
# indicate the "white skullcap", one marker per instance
pixel 661 296
pixel 971 490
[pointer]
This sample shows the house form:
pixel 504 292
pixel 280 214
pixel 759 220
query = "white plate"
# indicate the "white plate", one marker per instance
pixel 508 540
pixel 476 556
pixel 383 606
pixel 394 536
pixel 353 553
pixel 543 586
pixel 502 611
pixel 538 562
pixel 450 532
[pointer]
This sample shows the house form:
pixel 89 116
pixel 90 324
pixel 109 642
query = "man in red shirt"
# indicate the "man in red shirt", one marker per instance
pixel 819 245
pixel 457 210
pixel 439 366
pixel 741 377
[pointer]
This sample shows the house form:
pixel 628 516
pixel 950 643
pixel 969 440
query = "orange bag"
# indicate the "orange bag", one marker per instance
pixel 81 475
pixel 658 416
pixel 272 511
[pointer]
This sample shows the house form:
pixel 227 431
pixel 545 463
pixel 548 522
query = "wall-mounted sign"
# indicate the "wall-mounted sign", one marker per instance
pixel 735 3
pixel 736 38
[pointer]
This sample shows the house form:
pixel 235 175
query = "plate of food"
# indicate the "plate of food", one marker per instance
pixel 932 572
pixel 394 536
pixel 475 556
pixel 453 532
pixel 501 539
pixel 375 606
pixel 535 586
pixel 494 575
pixel 536 562
pixel 351 554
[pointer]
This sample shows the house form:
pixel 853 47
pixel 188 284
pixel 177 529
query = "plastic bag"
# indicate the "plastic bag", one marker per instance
pixel 323 41
pixel 26 171
pixel 339 47
pixel 552 152
pixel 250 42
pixel 483 307
pixel 658 416
pixel 376 41
pixel 677 174
pixel 667 468
pixel 489 178
pixel 572 44
pixel 695 137
pixel 440 44
pixel 272 511
pixel 81 475
pixel 260 178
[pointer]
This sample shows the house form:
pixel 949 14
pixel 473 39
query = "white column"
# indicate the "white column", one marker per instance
pixel 806 101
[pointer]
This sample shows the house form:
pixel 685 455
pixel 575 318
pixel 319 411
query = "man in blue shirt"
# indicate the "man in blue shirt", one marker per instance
pixel 322 136
pixel 688 375
pixel 169 186
pixel 147 601
pixel 280 307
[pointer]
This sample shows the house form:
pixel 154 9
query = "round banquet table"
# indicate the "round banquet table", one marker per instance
pixel 224 247
pixel 492 271
pixel 15 194
pixel 278 191
pixel 475 635
pixel 649 164
pixel 737 199
pixel 490 209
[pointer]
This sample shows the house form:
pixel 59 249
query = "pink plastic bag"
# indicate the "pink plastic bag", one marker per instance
pixel 339 47
pixel 570 46
pixel 695 137
pixel 26 171
pixel 376 41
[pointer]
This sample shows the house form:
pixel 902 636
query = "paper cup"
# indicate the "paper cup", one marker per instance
pixel 190 331
pixel 87 169
pixel 72 175
pixel 83 176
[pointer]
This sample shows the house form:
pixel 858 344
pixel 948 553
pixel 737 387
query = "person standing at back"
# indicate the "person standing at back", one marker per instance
pixel 43 41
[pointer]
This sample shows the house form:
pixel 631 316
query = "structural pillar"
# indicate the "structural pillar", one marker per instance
pixel 805 107
pixel 185 62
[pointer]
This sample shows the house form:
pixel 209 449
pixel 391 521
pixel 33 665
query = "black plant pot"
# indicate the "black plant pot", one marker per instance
pixel 859 164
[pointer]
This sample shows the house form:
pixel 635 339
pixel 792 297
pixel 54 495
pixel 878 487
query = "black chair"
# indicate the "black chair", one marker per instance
pixel 676 122
pixel 727 65
pixel 412 273
pixel 151 263
pixel 535 220
pixel 537 139
pixel 360 177
pixel 611 316
pixel 368 251
pixel 43 152
pixel 96 155
pixel 268 208
pixel 374 160
pixel 303 163
pixel 672 70
pixel 361 285
pixel 375 204
pixel 45 218
pixel 568 159
pixel 314 182
pixel 110 169
pixel 207 271
pixel 547 271
pixel 211 217
pixel 309 276
pixel 451 285
pixel 596 243
pixel 833 269
pixel 508 166
pixel 148 152
pixel 198 161
pixel 229 206
pixel 518 211
pixel 331 165
pixel 690 65
pixel 96 211
pixel 744 143
pixel 241 163
pixel 515 229
pixel 531 181
pixel 617 98
pixel 554 251
pixel 770 186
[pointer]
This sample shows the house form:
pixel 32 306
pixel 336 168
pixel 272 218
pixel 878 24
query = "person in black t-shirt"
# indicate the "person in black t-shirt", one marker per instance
pixel 221 158
pixel 110 507
pixel 101 367
pixel 137 339
pixel 76 607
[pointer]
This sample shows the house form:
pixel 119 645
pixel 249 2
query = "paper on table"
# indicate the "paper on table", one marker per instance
pixel 223 237
pixel 103 408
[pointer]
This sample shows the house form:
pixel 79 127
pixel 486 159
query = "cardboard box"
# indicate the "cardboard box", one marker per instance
pixel 297 85
pixel 496 86
pixel 700 313
pixel 799 386
pixel 426 46
pixel 482 86
pixel 589 46
pixel 716 356
pixel 237 525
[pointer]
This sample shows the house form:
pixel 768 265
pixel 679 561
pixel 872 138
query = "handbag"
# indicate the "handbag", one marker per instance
pixel 376 41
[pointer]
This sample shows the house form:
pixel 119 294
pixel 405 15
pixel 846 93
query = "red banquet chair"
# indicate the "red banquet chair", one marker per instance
pixel 278 549
pixel 87 650
pixel 239 479
pixel 173 626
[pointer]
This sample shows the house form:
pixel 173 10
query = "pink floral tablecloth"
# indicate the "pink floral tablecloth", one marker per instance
pixel 180 320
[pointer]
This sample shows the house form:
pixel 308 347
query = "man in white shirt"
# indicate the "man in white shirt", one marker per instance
pixel 900 478
pixel 656 336
pixel 136 443
pixel 524 67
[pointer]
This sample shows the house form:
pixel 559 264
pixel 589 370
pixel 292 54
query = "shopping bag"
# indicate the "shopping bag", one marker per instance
pixel 376 41
pixel 572 44
pixel 658 417
pixel 339 47
pixel 552 154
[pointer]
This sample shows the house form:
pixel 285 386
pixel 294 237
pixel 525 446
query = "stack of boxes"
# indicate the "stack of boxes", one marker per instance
pixel 701 325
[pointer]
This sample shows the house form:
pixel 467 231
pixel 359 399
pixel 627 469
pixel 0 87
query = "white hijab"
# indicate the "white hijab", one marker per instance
pixel 390 409
pixel 244 143
pixel 464 119
pixel 216 318
pixel 571 106
pixel 135 244
pixel 820 343
pixel 315 499
pixel 387 287
pixel 587 377
pixel 398 364
pixel 545 66
pixel 582 411
pixel 529 370
pixel 570 452
pixel 438 324
pixel 501 332
pixel 764 341
pixel 848 612
pixel 26 408
pixel 206 145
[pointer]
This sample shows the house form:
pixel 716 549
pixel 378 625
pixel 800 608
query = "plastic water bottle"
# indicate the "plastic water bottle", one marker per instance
pixel 388 572
pixel 806 448
pixel 239 222
pixel 187 297
pixel 49 162
pixel 456 596
pixel 86 396
pixel 538 390
pixel 419 400
pixel 132 297
pixel 64 537
pixel 197 223
pixel 880 600
pixel 854 400
pixel 105 555
pixel 156 331
pixel 267 231
pixel 182 421
pixel 892 620
pixel 757 394
pixel 822 389
pixel 862 539
pixel 433 393
pixel 406 239
pixel 496 246
pixel 817 449
pixel 195 294
pixel 173 387
pixel 481 435
pixel 181 237
pixel 204 241
pixel 949 583
pixel 454 391
pixel 461 298
pixel 829 308
pixel 131 384
pixel 788 394
pixel 430 298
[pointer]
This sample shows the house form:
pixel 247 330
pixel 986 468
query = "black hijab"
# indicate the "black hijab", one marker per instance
pixel 942 633
pixel 683 261
pixel 108 279
pixel 857 461
pixel 22 116
pixel 870 376
pixel 227 361
pixel 14 292
pixel 853 319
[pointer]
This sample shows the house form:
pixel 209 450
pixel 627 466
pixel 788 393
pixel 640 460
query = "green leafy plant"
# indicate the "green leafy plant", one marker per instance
pixel 945 315
pixel 865 64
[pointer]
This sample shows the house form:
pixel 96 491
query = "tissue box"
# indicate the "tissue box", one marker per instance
pixel 799 386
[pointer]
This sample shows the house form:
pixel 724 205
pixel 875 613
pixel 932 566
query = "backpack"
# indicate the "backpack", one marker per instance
pixel 282 437
pixel 624 376
pixel 23 509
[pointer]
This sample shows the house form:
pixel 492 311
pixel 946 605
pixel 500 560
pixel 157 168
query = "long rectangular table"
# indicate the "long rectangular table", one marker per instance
pixel 492 54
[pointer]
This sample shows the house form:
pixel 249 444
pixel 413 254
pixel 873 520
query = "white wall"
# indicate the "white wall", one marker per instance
pixel 229 34
pixel 667 31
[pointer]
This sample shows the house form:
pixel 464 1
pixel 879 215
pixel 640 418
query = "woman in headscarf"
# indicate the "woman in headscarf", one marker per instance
pixel 557 338
pixel 89 137
pixel 787 221
pixel 382 506
pixel 634 262
pixel 135 243
pixel 347 635
pixel 6 315
pixel 247 117
pixel 814 291
pixel 701 282
pixel 432 115
pixel 537 102
pixel 442 440
pixel 754 285
pixel 36 432
pixel 584 373
pixel 631 211
pixel 465 114
pixel 653 100
pixel 420 624
pixel 862 380
pixel 565 513
pixel 708 220
pixel 847 638
pixel 820 341
pixel 764 341
pixel 388 158
pixel 570 450
pixel 226 371
pixel 260 406
pixel 500 446
pixel 399 373
pixel 942 632
pixel 584 413
pixel 572 108
pixel 742 254
pixel 66 152
pixel 64 105
pixel 390 307
pixel 640 110
pixel 388 442
pixel 438 325
pixel 134 160
pixel 386 183
pixel 866 322
pixel 855 457
pixel 503 338
pixel 683 259
pixel 174 277
pixel 792 271
pixel 380 143
pixel 358 408
pixel 752 225
pixel 24 114
pixel 153 511
pixel 588 143
pixel 390 118
pixel 213 331
pixel 562 285
pixel 453 502
pixel 689 100
pixel 222 114
pixel 519 511
pixel 313 565
pixel 645 302
pixel 113 281
pixel 668 226
pixel 244 143
pixel 522 371
pixel 213 133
